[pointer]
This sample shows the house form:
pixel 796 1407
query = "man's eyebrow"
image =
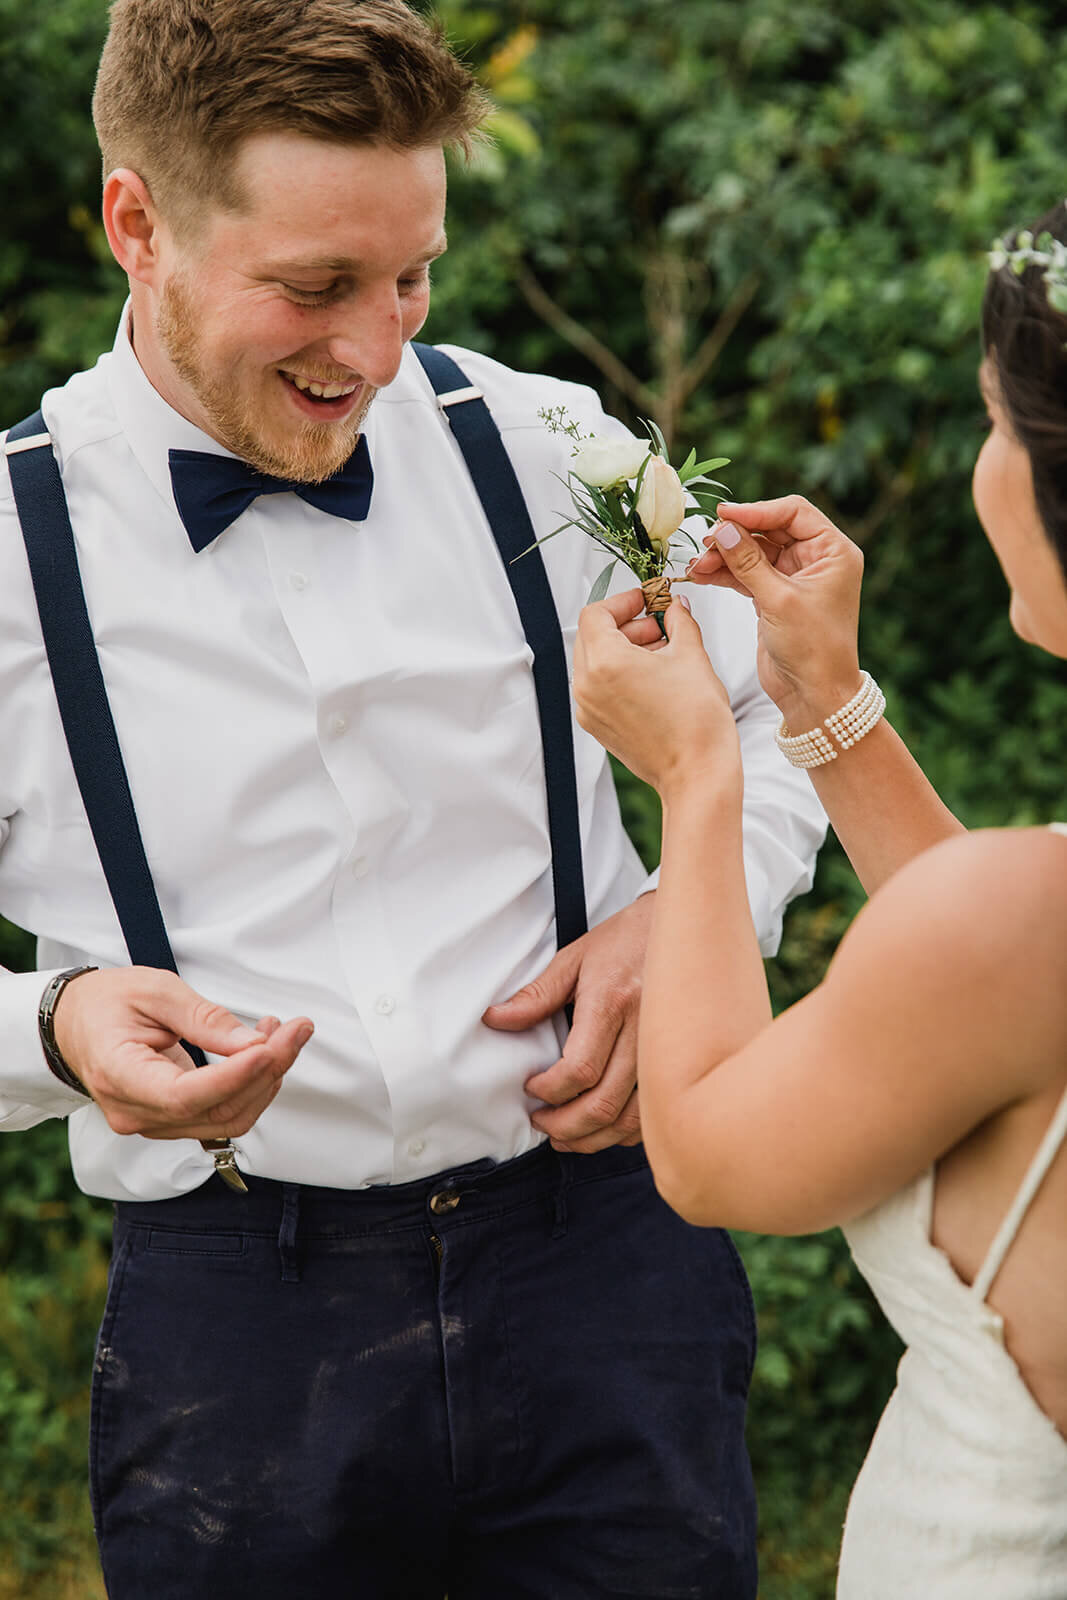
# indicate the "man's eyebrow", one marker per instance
pixel 346 264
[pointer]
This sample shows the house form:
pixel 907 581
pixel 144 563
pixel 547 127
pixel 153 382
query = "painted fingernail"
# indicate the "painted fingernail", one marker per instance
pixel 727 535
pixel 682 601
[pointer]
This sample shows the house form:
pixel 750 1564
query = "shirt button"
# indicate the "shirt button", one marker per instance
pixel 297 581
pixel 337 724
pixel 416 1147
pixel 385 1005
pixel 360 867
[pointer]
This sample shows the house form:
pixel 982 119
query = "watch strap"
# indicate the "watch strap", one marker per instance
pixel 46 1016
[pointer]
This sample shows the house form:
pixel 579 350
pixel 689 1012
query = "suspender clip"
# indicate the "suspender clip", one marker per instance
pixel 456 397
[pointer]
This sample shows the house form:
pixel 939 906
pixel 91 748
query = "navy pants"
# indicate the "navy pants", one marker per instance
pixel 513 1382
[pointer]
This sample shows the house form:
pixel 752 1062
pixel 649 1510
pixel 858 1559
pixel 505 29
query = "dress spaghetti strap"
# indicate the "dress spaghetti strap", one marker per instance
pixel 1035 1175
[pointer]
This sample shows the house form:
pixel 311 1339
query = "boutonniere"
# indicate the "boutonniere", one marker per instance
pixel 629 499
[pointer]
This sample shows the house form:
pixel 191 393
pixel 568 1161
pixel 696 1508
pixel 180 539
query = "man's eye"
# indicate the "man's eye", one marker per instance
pixel 310 297
pixel 413 285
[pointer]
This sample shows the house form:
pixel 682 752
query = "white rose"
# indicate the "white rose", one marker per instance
pixel 661 503
pixel 605 462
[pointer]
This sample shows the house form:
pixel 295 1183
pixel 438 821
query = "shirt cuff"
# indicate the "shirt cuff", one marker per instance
pixel 29 1090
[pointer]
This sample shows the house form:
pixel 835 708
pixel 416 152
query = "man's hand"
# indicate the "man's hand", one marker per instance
pixel 591 1091
pixel 120 1030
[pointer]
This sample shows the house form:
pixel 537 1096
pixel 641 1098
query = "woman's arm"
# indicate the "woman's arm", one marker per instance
pixel 804 576
pixel 946 1002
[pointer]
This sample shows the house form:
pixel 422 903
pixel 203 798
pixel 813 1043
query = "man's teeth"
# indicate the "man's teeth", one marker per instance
pixel 322 391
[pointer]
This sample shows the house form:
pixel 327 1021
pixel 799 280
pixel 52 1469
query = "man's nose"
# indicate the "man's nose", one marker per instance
pixel 370 340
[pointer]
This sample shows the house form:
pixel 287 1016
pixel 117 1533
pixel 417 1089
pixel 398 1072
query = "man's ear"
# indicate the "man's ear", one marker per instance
pixel 133 225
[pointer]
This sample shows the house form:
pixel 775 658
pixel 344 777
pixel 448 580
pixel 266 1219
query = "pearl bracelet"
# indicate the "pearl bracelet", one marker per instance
pixel 848 726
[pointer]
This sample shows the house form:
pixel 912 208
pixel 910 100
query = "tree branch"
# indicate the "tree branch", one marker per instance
pixel 585 342
pixel 706 356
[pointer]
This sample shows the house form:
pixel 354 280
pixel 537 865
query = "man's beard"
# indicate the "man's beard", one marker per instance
pixel 314 452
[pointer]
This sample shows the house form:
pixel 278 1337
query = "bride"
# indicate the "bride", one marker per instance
pixel 918 1096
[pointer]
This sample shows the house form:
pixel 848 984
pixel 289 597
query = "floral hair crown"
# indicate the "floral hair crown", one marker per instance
pixel 1044 251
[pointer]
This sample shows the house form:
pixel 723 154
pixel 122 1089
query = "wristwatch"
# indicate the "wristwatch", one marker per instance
pixel 46 1028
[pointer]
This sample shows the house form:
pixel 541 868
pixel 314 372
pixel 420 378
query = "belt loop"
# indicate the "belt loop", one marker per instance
pixel 559 1228
pixel 287 1233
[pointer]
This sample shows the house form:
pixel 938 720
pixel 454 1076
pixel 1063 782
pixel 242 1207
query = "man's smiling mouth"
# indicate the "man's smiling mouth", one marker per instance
pixel 317 388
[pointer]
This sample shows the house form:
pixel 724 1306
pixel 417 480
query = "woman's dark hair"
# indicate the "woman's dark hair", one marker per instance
pixel 1024 340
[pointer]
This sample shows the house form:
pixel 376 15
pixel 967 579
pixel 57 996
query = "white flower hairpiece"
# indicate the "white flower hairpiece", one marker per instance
pixel 1046 252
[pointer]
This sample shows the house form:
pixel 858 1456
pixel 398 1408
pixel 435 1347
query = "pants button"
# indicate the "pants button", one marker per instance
pixel 444 1200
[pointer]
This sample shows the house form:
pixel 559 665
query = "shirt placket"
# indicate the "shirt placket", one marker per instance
pixel 374 967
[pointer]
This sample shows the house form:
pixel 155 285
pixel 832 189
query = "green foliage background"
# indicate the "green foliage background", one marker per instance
pixel 763 223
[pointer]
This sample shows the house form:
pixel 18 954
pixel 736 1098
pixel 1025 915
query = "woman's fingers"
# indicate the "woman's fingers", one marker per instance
pixel 791 515
pixel 748 564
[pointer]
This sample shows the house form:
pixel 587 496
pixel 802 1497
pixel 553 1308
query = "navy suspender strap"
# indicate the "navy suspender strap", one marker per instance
pixel 79 684
pixel 502 500
pixel 86 715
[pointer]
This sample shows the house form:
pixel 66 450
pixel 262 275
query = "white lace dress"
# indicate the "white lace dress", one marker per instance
pixel 963 1495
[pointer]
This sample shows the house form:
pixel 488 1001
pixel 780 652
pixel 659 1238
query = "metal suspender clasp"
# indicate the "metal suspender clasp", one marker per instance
pixel 226 1163
pixel 36 441
pixel 455 397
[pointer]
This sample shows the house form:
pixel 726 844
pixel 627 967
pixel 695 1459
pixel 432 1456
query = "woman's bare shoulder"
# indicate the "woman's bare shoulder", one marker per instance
pixel 978 924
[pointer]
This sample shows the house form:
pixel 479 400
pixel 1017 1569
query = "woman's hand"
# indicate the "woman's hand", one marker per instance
pixel 804 576
pixel 662 711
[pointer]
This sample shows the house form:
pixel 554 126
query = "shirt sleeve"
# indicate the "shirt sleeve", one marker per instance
pixel 29 1091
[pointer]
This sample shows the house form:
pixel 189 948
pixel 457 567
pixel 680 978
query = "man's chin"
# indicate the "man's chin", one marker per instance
pixel 311 455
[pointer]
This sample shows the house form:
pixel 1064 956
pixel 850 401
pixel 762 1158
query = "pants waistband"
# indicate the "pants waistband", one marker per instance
pixel 539 1172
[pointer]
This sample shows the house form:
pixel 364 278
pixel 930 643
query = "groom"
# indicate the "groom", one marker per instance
pixel 432 1328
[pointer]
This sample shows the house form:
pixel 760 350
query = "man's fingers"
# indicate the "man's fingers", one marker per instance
pixel 625 1130
pixel 142 1093
pixel 546 994
pixel 599 1062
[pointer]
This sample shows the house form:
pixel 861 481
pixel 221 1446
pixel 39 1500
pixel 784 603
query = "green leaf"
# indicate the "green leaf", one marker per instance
pixel 687 468
pixel 600 587
pixel 708 503
pixel 657 438
pixel 544 540
pixel 712 465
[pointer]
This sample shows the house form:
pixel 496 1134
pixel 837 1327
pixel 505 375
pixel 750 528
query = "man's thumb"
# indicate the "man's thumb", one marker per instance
pixel 546 994
pixel 175 1005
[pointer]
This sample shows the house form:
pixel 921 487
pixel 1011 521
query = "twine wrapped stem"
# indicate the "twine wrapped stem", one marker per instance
pixel 657 593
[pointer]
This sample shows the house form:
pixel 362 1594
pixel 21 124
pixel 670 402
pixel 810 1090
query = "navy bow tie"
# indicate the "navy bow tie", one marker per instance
pixel 211 491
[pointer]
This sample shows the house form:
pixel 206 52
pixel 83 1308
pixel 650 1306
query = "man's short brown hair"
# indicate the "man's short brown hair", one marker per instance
pixel 183 82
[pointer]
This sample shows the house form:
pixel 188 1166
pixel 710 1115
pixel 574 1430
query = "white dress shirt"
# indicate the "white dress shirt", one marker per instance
pixel 332 740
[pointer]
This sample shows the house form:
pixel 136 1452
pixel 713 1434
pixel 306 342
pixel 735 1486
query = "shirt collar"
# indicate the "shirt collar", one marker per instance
pixel 151 426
